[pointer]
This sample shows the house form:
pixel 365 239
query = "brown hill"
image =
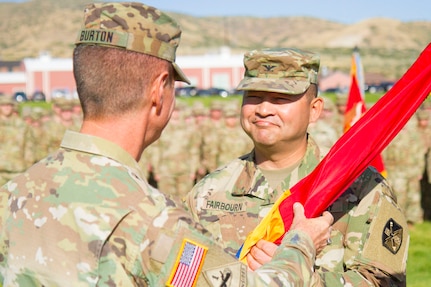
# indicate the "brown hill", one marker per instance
pixel 387 46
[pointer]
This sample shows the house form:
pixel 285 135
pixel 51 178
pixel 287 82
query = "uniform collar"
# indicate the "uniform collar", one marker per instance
pixel 252 182
pixel 99 146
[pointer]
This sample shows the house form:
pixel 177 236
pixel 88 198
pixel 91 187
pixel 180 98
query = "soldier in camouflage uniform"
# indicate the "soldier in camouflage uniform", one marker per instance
pixel 85 216
pixel 369 237
pixel 341 105
pixel 174 171
pixel 62 120
pixel 233 142
pixel 16 142
pixel 212 133
pixel 77 112
pixel 40 144
pixel 324 131
pixel 404 163
pixel 424 128
pixel 201 124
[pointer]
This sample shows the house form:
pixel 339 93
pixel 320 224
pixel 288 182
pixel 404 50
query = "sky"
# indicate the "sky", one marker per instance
pixel 344 11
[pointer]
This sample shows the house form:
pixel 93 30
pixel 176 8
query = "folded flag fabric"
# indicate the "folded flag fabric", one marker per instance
pixel 350 155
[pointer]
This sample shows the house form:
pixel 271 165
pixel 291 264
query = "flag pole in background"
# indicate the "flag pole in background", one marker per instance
pixel 350 155
pixel 356 105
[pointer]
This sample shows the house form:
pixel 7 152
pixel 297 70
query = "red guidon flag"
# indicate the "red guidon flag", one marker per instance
pixel 355 106
pixel 350 155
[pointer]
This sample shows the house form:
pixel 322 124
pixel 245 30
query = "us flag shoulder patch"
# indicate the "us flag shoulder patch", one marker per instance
pixel 188 264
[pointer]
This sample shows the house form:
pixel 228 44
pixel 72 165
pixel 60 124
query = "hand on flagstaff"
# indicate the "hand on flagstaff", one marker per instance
pixel 319 230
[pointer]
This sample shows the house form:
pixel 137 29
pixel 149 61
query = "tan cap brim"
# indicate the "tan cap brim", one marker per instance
pixel 179 74
pixel 290 86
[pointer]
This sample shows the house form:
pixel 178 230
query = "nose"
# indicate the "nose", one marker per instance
pixel 265 108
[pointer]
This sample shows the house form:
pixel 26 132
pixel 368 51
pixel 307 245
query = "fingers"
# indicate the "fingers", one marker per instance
pixel 318 228
pixel 328 217
pixel 268 248
pixel 298 212
pixel 260 254
pixel 252 263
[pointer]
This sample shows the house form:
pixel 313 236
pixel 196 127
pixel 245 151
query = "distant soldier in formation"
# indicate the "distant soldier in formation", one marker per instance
pixel 173 171
pixel 325 130
pixel 212 135
pixel 341 104
pixel 424 127
pixel 16 141
pixel 62 120
pixel 234 142
pixel 201 123
pixel 404 163
pixel 40 144
pixel 77 112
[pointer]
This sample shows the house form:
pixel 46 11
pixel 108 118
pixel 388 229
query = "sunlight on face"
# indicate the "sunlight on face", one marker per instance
pixel 271 118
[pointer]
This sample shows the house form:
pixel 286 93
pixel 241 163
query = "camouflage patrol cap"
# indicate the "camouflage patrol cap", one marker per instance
pixel 216 106
pixel 65 105
pixel 341 99
pixel 37 113
pixel 7 100
pixel 423 114
pixel 329 104
pixel 231 110
pixel 282 70
pixel 198 109
pixel 132 26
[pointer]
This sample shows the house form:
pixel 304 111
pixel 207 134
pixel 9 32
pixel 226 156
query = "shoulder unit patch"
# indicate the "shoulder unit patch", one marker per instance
pixel 392 236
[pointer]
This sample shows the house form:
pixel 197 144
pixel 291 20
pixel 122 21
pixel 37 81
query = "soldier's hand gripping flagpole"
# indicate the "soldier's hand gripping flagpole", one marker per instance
pixel 350 155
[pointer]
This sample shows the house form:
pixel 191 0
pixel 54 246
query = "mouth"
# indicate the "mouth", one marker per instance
pixel 263 123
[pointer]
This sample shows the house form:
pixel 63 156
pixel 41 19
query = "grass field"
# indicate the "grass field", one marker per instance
pixel 419 260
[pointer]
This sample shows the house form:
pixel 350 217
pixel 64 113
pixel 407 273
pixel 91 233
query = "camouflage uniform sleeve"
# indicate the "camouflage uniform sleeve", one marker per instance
pixel 291 265
pixel 370 242
pixel 171 243
pixel 189 203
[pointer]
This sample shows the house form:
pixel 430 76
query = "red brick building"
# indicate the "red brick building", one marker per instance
pixel 54 76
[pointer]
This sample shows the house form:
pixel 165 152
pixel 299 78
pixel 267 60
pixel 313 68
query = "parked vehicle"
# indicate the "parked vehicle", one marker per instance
pixel 61 93
pixel 38 96
pixel 20 97
pixel 188 91
pixel 212 92
pixel 387 85
pixel 336 90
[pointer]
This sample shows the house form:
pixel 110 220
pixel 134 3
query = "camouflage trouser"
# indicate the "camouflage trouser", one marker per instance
pixel 408 192
pixel 426 196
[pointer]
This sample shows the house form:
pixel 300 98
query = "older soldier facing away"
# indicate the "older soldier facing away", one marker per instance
pixel 85 216
pixel 369 236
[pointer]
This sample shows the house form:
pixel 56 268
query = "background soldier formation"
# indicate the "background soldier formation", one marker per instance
pixel 29 135
pixel 198 139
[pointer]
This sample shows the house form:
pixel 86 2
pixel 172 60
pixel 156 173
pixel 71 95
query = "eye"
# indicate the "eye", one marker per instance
pixel 252 99
pixel 282 99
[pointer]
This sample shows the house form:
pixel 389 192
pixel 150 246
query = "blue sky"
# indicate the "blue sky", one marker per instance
pixel 345 11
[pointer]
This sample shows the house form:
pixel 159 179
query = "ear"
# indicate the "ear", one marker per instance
pixel 158 91
pixel 316 107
